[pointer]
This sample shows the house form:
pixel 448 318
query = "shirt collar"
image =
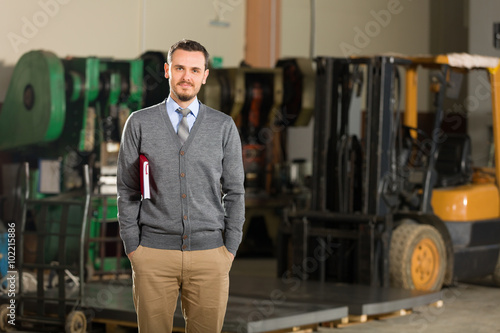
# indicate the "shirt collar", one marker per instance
pixel 172 106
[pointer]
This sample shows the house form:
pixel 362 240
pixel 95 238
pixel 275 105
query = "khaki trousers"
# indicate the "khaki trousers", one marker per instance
pixel 201 276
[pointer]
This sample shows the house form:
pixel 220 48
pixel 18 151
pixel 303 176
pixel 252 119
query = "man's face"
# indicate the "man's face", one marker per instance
pixel 186 73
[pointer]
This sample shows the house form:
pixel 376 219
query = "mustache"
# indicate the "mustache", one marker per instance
pixel 184 82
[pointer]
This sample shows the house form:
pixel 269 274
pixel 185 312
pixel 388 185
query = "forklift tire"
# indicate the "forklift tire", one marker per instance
pixel 417 258
pixel 76 322
pixel 496 273
pixel 4 319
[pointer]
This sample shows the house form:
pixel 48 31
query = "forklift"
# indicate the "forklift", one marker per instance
pixel 398 204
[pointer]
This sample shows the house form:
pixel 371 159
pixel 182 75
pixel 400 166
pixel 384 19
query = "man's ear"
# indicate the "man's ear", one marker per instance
pixel 166 70
pixel 205 77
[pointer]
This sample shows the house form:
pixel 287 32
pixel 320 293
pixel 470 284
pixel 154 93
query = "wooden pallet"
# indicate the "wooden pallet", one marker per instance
pixel 354 320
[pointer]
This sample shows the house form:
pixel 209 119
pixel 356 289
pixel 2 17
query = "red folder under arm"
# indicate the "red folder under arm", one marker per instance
pixel 144 170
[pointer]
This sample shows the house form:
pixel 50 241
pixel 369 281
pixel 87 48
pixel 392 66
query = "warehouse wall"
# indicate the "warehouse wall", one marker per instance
pixel 116 28
pixel 356 27
pixel 343 28
pixel 449 26
pixel 482 15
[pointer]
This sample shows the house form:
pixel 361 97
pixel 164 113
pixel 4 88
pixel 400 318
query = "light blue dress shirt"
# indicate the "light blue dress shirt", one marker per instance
pixel 176 117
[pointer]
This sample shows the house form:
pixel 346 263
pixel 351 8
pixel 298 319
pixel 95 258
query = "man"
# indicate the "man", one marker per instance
pixel 186 235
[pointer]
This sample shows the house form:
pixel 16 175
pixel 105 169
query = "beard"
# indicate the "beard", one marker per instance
pixel 184 97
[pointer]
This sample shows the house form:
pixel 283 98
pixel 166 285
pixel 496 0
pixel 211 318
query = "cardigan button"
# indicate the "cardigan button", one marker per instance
pixel 184 196
pixel 182 152
pixel 185 237
pixel 183 174
pixel 184 247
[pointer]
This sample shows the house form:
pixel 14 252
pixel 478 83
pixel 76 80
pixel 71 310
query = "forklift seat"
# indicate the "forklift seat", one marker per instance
pixel 454 163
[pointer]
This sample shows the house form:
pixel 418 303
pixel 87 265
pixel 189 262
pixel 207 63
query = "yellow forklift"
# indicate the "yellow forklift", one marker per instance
pixel 401 205
pixel 465 198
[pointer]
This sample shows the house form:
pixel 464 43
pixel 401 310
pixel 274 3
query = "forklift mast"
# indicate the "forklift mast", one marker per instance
pixel 357 184
pixel 368 174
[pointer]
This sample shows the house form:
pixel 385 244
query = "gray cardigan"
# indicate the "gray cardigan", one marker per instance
pixel 197 194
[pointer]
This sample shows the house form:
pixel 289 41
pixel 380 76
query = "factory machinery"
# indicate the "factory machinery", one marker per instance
pixel 62 114
pixel 379 216
pixel 60 118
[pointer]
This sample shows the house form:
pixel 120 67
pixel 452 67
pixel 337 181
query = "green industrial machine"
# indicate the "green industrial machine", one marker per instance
pixel 34 110
pixel 60 114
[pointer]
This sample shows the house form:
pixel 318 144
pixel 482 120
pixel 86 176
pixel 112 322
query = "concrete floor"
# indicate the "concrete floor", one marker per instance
pixel 468 307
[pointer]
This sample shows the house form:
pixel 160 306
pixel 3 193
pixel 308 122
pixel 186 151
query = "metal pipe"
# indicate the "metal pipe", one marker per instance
pixel 312 31
pixel 272 48
pixel 143 27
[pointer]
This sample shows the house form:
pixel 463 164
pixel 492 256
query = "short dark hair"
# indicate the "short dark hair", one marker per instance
pixel 188 45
